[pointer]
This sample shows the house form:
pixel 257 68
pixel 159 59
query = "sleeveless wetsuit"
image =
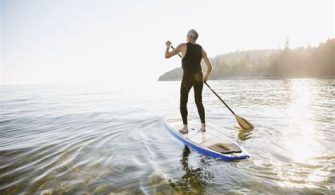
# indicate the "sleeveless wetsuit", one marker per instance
pixel 192 77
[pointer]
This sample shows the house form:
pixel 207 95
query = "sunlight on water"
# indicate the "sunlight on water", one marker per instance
pixel 301 142
pixel 301 139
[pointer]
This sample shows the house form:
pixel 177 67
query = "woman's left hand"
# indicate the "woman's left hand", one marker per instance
pixel 206 77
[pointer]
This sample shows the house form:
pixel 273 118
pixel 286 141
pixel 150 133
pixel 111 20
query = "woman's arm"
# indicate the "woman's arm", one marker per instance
pixel 209 65
pixel 168 53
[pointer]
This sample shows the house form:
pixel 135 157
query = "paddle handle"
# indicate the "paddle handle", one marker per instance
pixel 213 91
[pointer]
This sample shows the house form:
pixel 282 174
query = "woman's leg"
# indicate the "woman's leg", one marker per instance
pixel 184 91
pixel 198 86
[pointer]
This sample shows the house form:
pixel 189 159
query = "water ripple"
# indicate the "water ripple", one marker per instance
pixel 70 140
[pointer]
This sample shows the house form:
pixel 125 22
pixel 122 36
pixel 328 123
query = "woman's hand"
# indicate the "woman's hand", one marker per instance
pixel 168 44
pixel 206 77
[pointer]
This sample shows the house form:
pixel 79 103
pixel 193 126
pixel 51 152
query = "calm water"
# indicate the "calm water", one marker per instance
pixel 99 139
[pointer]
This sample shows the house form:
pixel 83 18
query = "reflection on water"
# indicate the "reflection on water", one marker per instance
pixel 195 179
pixel 244 134
pixel 98 140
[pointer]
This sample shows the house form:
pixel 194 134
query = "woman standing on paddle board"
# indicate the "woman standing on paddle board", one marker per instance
pixel 191 54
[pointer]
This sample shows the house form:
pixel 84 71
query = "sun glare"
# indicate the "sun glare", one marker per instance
pixel 301 136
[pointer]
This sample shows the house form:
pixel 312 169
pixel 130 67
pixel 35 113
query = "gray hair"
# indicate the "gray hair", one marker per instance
pixel 193 33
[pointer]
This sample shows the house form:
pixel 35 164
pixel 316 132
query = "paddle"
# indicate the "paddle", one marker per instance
pixel 240 120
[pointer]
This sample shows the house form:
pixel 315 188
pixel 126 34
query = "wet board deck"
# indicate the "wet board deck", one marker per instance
pixel 211 143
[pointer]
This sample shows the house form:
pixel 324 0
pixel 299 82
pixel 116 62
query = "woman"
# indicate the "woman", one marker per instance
pixel 192 54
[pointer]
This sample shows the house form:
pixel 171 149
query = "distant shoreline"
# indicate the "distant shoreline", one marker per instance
pixel 259 78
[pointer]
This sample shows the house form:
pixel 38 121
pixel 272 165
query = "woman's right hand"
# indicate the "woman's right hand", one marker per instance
pixel 168 44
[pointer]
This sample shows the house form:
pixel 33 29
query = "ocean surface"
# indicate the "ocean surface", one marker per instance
pixel 76 139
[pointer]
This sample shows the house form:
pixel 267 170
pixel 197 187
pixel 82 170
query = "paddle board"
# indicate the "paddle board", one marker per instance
pixel 211 143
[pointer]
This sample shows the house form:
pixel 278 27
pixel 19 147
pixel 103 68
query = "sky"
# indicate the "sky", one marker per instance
pixel 110 41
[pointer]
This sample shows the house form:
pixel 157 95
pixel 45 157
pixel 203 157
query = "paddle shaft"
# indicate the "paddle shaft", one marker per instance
pixel 213 91
pixel 220 98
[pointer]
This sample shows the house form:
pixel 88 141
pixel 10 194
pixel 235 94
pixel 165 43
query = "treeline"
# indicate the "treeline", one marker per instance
pixel 289 63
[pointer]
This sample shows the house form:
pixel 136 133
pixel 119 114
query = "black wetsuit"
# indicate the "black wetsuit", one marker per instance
pixel 192 77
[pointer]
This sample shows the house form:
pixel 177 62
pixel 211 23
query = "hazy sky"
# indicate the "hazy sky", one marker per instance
pixel 75 41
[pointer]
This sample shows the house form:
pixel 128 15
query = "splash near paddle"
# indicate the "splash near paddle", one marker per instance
pixel 211 143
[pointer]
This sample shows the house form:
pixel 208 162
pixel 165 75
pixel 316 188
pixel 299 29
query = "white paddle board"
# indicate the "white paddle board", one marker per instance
pixel 211 143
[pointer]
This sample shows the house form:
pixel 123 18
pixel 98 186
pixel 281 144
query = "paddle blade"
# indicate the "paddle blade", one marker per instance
pixel 244 123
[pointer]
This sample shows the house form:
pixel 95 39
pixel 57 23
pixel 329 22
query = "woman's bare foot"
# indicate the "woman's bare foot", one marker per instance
pixel 203 127
pixel 184 130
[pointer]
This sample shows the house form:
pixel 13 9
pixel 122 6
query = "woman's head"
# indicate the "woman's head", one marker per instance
pixel 192 35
